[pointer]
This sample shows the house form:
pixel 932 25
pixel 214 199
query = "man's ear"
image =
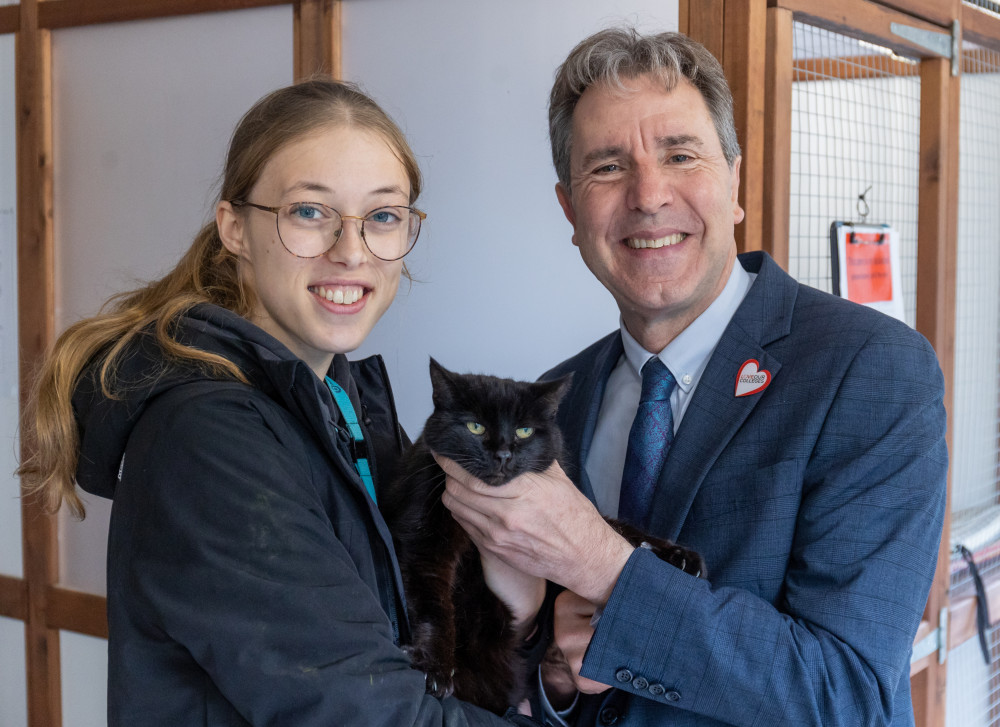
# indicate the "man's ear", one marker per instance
pixel 738 213
pixel 232 231
pixel 566 202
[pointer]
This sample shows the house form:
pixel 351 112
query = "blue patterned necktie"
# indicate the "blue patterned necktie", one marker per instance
pixel 648 441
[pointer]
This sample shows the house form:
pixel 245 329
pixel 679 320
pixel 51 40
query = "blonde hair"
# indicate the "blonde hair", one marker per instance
pixel 207 273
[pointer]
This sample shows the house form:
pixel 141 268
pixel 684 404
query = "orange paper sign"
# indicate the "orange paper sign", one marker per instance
pixel 869 269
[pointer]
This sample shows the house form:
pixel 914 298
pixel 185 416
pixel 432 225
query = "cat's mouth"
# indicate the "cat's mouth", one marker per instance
pixel 640 243
pixel 339 294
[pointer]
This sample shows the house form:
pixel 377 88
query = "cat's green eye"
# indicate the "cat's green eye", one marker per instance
pixel 475 427
pixel 524 432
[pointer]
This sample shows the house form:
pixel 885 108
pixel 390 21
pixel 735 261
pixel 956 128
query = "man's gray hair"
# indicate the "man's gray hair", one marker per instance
pixel 611 57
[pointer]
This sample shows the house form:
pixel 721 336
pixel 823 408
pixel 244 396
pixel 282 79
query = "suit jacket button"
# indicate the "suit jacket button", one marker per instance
pixel 640 683
pixel 656 690
pixel 623 675
pixel 673 696
pixel 609 715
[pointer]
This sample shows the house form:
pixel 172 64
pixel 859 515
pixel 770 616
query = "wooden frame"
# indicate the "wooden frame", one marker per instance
pixel 37 598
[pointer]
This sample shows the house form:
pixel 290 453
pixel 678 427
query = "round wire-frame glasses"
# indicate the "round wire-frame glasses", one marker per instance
pixel 307 226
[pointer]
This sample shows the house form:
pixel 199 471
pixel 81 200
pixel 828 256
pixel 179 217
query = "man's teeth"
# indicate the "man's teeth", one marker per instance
pixel 639 244
pixel 341 295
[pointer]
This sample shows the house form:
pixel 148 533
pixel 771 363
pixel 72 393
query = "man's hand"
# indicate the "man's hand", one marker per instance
pixel 539 524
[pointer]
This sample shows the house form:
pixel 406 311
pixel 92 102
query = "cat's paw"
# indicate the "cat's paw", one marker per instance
pixel 440 678
pixel 687 560
pixel 678 556
pixel 440 685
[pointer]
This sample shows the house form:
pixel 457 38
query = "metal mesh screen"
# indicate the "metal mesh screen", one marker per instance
pixel 973 698
pixel 976 413
pixel 855 131
pixel 975 453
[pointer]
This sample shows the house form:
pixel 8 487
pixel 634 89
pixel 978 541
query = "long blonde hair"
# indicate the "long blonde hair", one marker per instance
pixel 207 273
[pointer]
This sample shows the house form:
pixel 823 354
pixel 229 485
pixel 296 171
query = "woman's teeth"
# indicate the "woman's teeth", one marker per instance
pixel 343 295
pixel 639 244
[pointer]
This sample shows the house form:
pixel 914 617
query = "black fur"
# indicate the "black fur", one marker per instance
pixel 462 634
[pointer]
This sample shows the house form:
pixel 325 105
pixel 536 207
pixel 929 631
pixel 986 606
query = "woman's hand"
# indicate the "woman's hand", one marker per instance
pixel 573 632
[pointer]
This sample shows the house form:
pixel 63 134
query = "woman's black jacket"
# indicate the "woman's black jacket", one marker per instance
pixel 251 580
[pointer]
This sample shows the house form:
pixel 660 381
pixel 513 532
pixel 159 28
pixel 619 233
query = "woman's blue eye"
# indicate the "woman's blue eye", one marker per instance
pixel 384 216
pixel 306 212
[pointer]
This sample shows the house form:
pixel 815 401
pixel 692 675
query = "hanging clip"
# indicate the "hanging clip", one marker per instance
pixel 863 208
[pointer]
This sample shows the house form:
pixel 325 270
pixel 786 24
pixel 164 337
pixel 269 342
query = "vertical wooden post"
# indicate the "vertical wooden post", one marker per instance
pixel 317 38
pixel 702 20
pixel 36 325
pixel 936 274
pixel 745 36
pixel 777 135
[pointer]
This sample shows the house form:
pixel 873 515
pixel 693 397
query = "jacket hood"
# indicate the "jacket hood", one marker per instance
pixel 105 423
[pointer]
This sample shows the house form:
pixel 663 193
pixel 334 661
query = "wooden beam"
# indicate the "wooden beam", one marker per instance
pixel 13 598
pixel 859 19
pixel 317 38
pixel 72 610
pixel 778 135
pixel 35 309
pixel 937 225
pixel 54 14
pixel 704 23
pixel 10 18
pixel 743 61
pixel 980 27
pixel 939 12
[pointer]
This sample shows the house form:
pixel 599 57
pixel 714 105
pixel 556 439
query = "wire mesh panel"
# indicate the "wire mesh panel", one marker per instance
pixel 975 511
pixel 976 408
pixel 855 132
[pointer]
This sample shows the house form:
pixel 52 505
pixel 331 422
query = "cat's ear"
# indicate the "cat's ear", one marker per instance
pixel 551 393
pixel 442 385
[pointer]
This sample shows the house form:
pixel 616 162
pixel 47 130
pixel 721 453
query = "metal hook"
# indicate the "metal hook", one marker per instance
pixel 862 206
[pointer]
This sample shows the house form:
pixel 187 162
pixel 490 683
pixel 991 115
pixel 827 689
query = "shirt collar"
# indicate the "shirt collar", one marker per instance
pixel 687 355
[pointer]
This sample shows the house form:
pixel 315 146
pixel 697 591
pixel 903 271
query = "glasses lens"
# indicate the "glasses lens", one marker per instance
pixel 308 229
pixel 390 232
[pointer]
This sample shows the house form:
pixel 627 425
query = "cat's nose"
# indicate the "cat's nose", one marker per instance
pixel 503 455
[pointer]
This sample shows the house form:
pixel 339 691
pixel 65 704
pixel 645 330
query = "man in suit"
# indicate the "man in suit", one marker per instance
pixel 807 463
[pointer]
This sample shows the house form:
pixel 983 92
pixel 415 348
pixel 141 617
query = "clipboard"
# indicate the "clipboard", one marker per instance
pixel 865 266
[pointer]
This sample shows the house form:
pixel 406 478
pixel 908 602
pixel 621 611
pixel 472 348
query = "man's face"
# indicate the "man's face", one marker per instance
pixel 653 203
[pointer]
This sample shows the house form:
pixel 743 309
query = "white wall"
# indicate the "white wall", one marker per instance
pixel 503 291
pixel 10 506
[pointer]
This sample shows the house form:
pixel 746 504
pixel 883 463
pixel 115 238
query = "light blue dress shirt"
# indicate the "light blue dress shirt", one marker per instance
pixel 686 356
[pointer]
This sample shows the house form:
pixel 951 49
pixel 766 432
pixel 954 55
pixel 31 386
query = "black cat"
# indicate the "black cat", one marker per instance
pixel 462 635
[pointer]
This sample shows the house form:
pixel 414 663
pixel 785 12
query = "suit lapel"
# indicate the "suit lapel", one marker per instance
pixel 715 413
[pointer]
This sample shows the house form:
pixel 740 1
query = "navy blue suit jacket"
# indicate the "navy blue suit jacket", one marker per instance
pixel 817 504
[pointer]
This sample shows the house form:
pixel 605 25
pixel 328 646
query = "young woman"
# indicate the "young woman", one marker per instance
pixel 251 579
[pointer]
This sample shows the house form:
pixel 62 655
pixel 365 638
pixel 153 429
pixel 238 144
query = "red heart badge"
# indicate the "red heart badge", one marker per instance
pixel 751 378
